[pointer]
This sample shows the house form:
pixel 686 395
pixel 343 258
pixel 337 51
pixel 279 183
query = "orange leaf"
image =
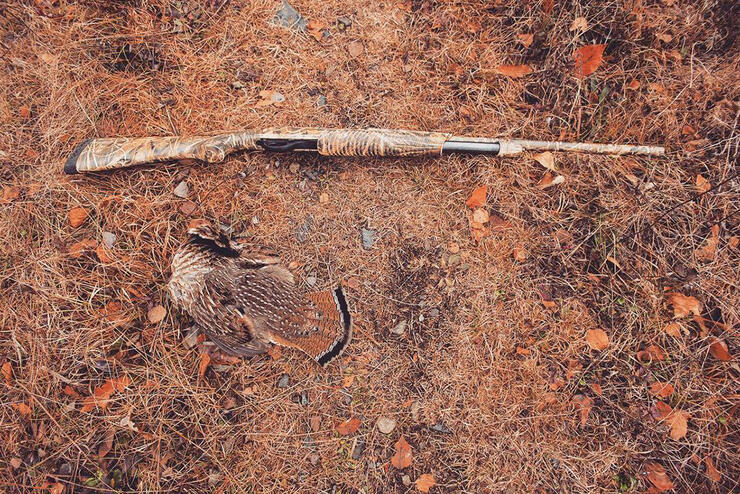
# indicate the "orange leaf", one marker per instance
pixel 425 482
pixel 588 58
pixel 548 181
pixel 77 216
pixel 718 349
pixel 709 249
pixel 678 424
pixel 596 387
pixel 107 443
pixel 664 390
pixel 513 70
pixel 525 39
pixel 657 475
pixel 348 426
pixel 275 352
pixel 70 391
pixel 101 395
pixel 478 198
pixel 684 305
pixel 355 49
pixel 402 457
pixel 702 184
pixel 103 254
pixel 633 85
pixel 712 472
pixel 25 112
pixel 347 380
pixel 546 159
pixel 584 405
pixel 156 314
pixel 10 193
pixel 205 361
pixel 316 29
pixel 597 339
pixel 673 329
pixel 23 409
pixel 660 410
pixel 7 371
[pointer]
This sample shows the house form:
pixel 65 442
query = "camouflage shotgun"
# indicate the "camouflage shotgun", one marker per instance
pixel 111 153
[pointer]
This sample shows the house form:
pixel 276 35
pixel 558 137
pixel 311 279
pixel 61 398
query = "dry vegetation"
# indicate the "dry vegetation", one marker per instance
pixel 494 383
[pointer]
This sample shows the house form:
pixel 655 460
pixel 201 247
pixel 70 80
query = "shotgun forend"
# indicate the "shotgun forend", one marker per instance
pixel 111 153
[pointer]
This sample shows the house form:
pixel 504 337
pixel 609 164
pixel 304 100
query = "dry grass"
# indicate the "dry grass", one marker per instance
pixel 100 68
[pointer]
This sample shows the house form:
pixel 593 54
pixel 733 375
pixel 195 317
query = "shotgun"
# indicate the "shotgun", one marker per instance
pixel 111 153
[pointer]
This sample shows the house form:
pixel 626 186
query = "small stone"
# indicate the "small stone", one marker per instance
pixel 309 443
pixel 289 17
pixel 368 238
pixel 188 207
pixel 284 381
pixel 277 97
pixel 386 425
pixel 343 23
pixel 434 313
pixel 294 167
pixel 304 398
pixel 480 215
pixel 440 427
pixel 311 281
pixel 358 449
pixel 191 338
pixel 406 480
pixel 321 102
pixel 109 239
pixel 64 469
pixel 399 329
pixel 255 220
pixel 302 233
pixel 181 190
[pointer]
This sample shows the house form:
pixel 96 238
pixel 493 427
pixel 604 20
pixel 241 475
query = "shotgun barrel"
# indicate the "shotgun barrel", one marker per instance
pixel 111 153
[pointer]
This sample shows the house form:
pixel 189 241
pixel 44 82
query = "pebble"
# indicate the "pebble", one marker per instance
pixel 284 381
pixel 289 17
pixel 406 480
pixel 454 260
pixel 358 449
pixel 321 102
pixel 181 190
pixel 109 239
pixel 255 220
pixel 302 233
pixel 343 23
pixel 399 329
pixel 368 238
pixel 309 443
pixel 386 425
pixel 440 427
pixel 311 281
pixel 304 398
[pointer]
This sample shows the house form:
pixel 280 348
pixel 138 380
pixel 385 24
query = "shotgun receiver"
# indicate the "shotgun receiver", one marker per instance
pixel 112 153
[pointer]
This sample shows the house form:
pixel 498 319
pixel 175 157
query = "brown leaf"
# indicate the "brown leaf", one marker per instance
pixel 678 424
pixel 101 395
pixel 355 49
pixel 548 181
pixel 655 352
pixel 349 426
pixel 23 409
pixel 103 254
pixel 513 70
pixel 673 329
pixel 107 443
pixel 664 390
pixel 661 411
pixel 205 361
pixel 719 350
pixel 77 216
pixel 16 462
pixel 633 85
pixel 10 193
pixel 520 253
pixel 275 352
pixel 480 215
pixel 702 184
pixel 70 391
pixel 77 248
pixel 425 482
pixel 188 207
pixel 53 488
pixel 156 314
pixel 579 24
pixel 684 305
pixel 596 387
pixel 7 371
pixel 478 198
pixel 546 159
pixel 402 457
pixel 734 242
pixel 712 473
pixel 348 380
pixel 316 29
pixel 588 58
pixel 709 249
pixel 657 475
pixel 584 405
pixel 597 339
pixel 525 39
pixel 25 112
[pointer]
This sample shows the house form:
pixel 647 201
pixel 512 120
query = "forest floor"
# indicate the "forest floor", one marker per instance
pixel 571 331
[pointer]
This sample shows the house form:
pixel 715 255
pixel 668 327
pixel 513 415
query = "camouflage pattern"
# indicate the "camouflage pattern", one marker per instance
pixel 580 147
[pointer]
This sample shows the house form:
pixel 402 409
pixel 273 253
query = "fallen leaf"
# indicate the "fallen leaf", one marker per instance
pixel 478 198
pixel 103 254
pixel 480 215
pixel 205 361
pixel 712 473
pixel 546 159
pixel 188 207
pixel 10 193
pixel 584 405
pixel 548 181
pixel 425 482
pixel 349 426
pixel 25 112
pixel 323 198
pixel 156 314
pixel 101 395
pixel 734 242
pixel 678 424
pixel 53 488
pixel 402 457
pixel 689 130
pixel 664 37
pixel 684 305
pixel 16 463
pixel 597 339
pixel 23 409
pixel 702 184
pixel 664 390
pixel 523 351
pixel 579 24
pixel 660 411
pixel 709 249
pixel 719 350
pixel 269 97
pixel 588 58
pixel 275 352
pixel 348 380
pixel 513 70
pixel 525 39
pixel 315 423
pixel 657 476
pixel 355 49
pixel 633 85
pixel 520 253
pixel 70 391
pixel 77 248
pixel 673 329
pixel 7 370
pixel 77 216
pixel 655 352
pixel 316 29
pixel 596 387
pixel 107 443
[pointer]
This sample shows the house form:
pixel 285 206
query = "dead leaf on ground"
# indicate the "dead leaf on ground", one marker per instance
pixel 349 426
pixel 584 405
pixel 478 198
pixel 597 339
pixel 525 39
pixel 101 395
pixel 402 457
pixel 709 250
pixel 549 180
pixel 513 70
pixel 355 49
pixel 269 97
pixel 734 242
pixel 107 443
pixel 425 482
pixel 546 159
pixel 662 389
pixel 25 112
pixel 702 184
pixel 205 361
pixel 275 352
pixel 712 472
pixel 77 248
pixel 23 409
pixel 480 215
pixel 719 350
pixel 53 487
pixel 650 353
pixel 678 423
pixel 579 24
pixel 520 253
pixel 658 476
pixel 633 85
pixel 673 329
pixel 684 305
pixel 316 29
pixel 103 254
pixel 10 193
pixel 7 370
pixel 77 216
pixel 588 58
pixel 660 411
pixel 156 314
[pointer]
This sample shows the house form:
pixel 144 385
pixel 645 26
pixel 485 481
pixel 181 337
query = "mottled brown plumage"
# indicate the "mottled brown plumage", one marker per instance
pixel 243 299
